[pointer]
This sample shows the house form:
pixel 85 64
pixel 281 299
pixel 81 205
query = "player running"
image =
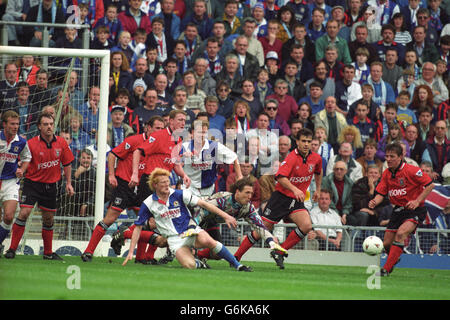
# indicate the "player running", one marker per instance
pixel 237 204
pixel 294 177
pixel 48 153
pixel 123 196
pixel 407 187
pixel 169 209
pixel 12 149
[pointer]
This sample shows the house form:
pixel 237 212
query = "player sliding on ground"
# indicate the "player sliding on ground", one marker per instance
pixel 237 204
pixel 169 209
pixel 407 187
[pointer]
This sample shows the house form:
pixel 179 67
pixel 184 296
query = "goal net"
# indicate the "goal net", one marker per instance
pixel 60 81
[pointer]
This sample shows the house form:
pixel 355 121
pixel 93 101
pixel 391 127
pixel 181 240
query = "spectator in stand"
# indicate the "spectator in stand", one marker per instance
pixel 405 115
pixel 195 96
pixel 8 86
pixel 363 191
pixel 295 126
pixel 424 52
pixel 211 55
pixel 41 94
pixel 137 96
pixel 120 74
pixel 248 95
pixel 353 168
pixel 80 139
pixel 402 33
pixel 154 66
pixel 324 215
pixel 164 98
pixel 287 107
pixel 362 41
pixel 102 40
pixel 171 20
pixel 141 72
pixel 45 11
pixel 368 157
pixel 316 29
pixel 230 75
pixel 95 8
pixel 14 12
pixel 123 99
pixel 276 122
pixel 286 19
pixel 284 146
pixel 123 45
pixel 270 42
pixel 232 22
pixel 440 92
pixel 157 39
pixel 151 108
pixel 199 16
pixel 427 167
pixel 365 126
pixel 335 67
pixel 325 149
pixel 424 125
pixel 301 38
pixel 362 70
pixel 383 92
pixel 347 91
pixel 422 98
pixel 263 87
pixel 214 8
pixel 272 66
pixel 254 45
pixel 320 75
pixel 117 129
pixel 248 63
pixel 304 114
pixel 406 82
pixel 331 120
pixel 296 89
pixel 172 74
pixel 392 72
pixel 390 117
pixel 204 80
pixel 341 186
pixel 423 19
pixel 241 115
pixel 438 149
pixel 216 121
pixel 388 35
pixel 28 112
pixel 416 145
pixel 352 135
pixel 374 110
pixel 179 102
pixel 226 102
pixel 131 16
pixel 394 136
pixel 111 21
pixel 89 112
pixel 27 67
pixel 331 37
pixel 354 12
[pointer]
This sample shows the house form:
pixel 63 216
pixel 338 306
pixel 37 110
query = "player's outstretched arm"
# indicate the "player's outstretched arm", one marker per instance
pixel 134 240
pixel 229 220
pixel 413 204
pixel 68 176
pixel 134 181
pixel 111 169
pixel 299 195
pixel 375 201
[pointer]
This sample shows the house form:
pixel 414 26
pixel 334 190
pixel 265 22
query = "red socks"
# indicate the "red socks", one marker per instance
pixel 205 253
pixel 129 232
pixel 97 235
pixel 47 237
pixel 293 238
pixel 17 231
pixel 394 253
pixel 150 253
pixel 246 244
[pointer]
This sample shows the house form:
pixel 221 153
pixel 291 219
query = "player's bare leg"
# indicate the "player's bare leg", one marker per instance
pixel 8 210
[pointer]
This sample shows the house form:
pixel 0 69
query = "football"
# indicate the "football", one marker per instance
pixel 373 245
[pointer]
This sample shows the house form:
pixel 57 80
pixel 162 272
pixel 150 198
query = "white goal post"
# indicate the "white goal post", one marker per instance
pixel 104 57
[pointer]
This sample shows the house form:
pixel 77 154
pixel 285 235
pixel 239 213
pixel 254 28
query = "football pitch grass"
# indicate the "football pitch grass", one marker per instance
pixel 31 278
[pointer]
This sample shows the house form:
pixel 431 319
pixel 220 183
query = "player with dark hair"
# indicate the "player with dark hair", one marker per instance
pixel 169 209
pixel 12 148
pixel 123 196
pixel 407 186
pixel 294 177
pixel 237 204
pixel 48 153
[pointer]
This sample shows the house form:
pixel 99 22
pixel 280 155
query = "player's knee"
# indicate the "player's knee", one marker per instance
pixel 161 242
pixel 8 219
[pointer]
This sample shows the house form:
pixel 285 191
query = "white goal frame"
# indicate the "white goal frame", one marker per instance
pixel 104 56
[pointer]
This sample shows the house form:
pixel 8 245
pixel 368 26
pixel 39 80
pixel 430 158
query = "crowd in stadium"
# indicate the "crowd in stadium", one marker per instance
pixel 359 74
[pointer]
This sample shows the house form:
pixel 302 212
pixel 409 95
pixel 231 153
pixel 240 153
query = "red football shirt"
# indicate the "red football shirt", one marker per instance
pixel 159 151
pixel 46 161
pixel 404 185
pixel 299 171
pixel 124 152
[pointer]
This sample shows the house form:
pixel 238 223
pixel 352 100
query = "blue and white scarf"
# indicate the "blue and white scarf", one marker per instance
pixel 377 98
pixel 40 17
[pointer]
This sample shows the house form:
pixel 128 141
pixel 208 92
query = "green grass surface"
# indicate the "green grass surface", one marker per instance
pixel 31 277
